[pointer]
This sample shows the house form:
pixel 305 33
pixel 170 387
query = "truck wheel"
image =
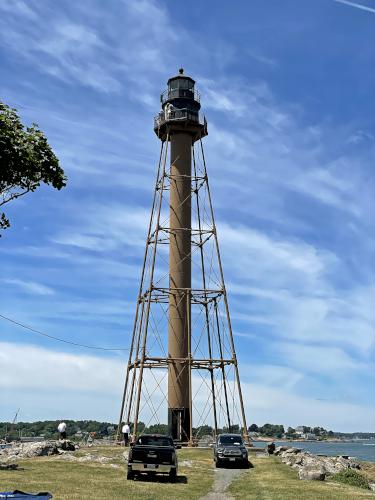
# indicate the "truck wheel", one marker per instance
pixel 173 475
pixel 130 475
pixel 218 463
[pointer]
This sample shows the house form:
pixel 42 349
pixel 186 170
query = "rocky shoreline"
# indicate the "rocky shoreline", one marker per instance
pixel 316 467
pixel 38 449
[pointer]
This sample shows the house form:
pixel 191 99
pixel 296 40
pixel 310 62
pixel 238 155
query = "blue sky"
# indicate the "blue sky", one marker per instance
pixel 287 89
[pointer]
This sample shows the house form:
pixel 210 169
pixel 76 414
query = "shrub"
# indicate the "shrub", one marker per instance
pixel 351 477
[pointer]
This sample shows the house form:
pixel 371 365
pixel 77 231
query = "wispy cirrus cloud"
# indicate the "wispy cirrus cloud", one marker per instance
pixel 356 5
pixel 107 227
pixel 30 286
pixel 75 50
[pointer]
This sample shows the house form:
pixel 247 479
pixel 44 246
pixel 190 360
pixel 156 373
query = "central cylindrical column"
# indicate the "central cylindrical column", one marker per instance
pixel 180 285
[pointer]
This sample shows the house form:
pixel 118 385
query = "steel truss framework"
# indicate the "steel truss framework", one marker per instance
pixel 214 383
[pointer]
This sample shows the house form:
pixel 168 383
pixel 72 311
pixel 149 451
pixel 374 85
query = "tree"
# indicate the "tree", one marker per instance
pixel 272 430
pixel 26 160
pixel 253 428
pixel 318 431
pixel 158 429
pixel 233 428
pixel 203 430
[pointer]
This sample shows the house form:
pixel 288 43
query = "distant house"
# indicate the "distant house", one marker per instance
pixel 300 430
pixel 309 435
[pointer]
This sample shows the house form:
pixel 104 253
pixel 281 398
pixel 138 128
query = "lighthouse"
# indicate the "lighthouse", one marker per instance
pixel 182 365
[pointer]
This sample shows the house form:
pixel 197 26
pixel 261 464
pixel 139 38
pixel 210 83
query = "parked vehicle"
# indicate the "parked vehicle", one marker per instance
pixel 230 449
pixel 153 454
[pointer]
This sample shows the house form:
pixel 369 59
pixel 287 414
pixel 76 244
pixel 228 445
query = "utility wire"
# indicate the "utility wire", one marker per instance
pixel 60 340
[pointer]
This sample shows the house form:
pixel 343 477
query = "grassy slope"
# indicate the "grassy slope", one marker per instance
pixel 80 481
pixel 271 479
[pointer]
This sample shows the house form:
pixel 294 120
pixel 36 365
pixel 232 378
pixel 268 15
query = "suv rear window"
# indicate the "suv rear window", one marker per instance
pixel 154 441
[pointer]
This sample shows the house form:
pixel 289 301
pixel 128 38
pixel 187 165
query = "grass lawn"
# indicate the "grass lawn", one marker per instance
pixel 88 480
pixel 271 479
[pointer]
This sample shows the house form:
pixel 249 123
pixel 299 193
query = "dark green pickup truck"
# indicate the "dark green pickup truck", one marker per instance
pixel 153 454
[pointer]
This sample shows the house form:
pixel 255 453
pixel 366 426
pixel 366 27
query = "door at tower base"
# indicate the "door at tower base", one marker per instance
pixel 179 423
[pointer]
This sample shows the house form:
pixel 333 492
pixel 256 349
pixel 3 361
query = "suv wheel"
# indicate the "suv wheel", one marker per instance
pixel 218 463
pixel 173 475
pixel 130 475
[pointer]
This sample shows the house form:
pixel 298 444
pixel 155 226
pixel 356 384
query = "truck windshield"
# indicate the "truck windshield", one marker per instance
pixel 154 441
pixel 231 440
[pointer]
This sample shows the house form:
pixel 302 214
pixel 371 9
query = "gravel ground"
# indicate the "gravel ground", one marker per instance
pixel 223 478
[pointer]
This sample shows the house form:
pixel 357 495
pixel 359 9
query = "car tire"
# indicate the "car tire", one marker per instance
pixel 218 463
pixel 130 475
pixel 173 475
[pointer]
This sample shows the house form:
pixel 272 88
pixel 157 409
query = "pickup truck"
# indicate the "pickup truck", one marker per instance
pixel 230 449
pixel 153 454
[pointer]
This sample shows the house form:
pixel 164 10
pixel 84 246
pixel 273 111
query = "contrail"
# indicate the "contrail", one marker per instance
pixel 356 5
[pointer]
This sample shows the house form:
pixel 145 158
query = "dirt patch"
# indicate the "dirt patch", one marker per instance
pixel 223 478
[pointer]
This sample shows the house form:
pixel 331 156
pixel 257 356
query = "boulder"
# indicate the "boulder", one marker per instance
pixel 314 467
pixel 331 466
pixel 348 462
pixel 280 449
pixel 290 452
pixel 66 445
pixel 311 473
pixel 291 459
pixel 37 449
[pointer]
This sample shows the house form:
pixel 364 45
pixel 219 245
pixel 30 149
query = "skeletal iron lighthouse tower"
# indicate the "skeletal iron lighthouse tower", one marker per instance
pixel 182 364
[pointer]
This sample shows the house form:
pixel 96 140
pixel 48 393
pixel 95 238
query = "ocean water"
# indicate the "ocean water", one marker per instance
pixel 363 450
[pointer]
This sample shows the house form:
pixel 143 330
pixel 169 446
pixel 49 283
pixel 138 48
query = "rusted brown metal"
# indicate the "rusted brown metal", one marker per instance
pixel 180 282
pixel 244 423
pixel 143 352
pixel 139 303
pixel 206 298
pixel 222 365
pixel 188 307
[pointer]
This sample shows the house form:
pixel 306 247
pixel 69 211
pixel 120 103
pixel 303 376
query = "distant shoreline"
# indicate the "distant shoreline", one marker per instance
pixel 364 450
pixel 331 440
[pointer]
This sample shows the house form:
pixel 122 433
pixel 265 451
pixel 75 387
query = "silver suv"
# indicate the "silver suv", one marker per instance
pixel 230 449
